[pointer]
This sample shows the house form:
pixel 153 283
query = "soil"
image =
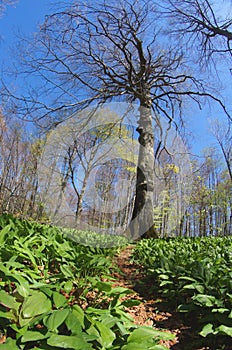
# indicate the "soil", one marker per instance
pixel 154 311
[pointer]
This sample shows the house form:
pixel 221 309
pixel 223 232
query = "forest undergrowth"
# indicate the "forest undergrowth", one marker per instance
pixel 56 292
pixel 160 311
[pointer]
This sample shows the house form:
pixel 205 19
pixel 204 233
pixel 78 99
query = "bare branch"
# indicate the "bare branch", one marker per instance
pixel 198 20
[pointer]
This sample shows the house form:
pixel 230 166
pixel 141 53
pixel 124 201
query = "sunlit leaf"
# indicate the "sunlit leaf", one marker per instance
pixel 206 330
pixel 53 321
pixel 36 304
pixel 225 330
pixel 8 300
pixel 32 336
pixel 107 336
pixel 59 300
pixel 68 342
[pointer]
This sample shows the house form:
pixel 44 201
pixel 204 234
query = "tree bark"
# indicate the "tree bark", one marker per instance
pixel 142 224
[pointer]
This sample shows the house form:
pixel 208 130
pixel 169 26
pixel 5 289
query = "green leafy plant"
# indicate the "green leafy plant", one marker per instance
pixel 196 274
pixel 45 278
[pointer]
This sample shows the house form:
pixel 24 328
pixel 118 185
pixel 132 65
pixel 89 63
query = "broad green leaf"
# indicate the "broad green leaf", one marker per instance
pixel 220 310
pixel 198 287
pixel 59 300
pixel 107 336
pixel 36 304
pixel 148 334
pixel 204 300
pixel 8 300
pixel 92 330
pixel 23 289
pixel 206 330
pixel 79 314
pixel 103 286
pixel 108 320
pixel 89 337
pixel 164 277
pixel 166 283
pixel 125 317
pixel 122 329
pixel 24 321
pixel 53 321
pixel 68 342
pixel 73 324
pixel 225 330
pixel 32 336
pixel 68 286
pixel 46 289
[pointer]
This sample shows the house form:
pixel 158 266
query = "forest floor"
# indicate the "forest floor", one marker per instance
pixel 153 310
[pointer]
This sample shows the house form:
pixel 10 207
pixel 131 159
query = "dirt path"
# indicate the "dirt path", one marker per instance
pixel 150 312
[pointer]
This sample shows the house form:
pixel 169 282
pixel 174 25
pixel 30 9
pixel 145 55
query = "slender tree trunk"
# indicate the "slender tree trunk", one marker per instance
pixel 230 222
pixel 142 224
pixel 210 221
pixel 79 206
pixel 181 227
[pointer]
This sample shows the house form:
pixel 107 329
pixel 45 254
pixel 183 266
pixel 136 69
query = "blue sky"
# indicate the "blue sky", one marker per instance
pixel 25 17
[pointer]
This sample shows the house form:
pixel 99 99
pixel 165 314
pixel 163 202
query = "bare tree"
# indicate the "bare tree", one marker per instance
pixel 102 52
pixel 87 174
pixel 222 133
pixel 199 19
pixel 18 164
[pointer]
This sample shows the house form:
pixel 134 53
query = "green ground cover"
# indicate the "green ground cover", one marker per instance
pixel 45 279
pixel 195 276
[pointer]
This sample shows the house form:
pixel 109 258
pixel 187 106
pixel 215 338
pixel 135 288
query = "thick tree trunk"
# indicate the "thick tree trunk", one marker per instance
pixel 142 224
